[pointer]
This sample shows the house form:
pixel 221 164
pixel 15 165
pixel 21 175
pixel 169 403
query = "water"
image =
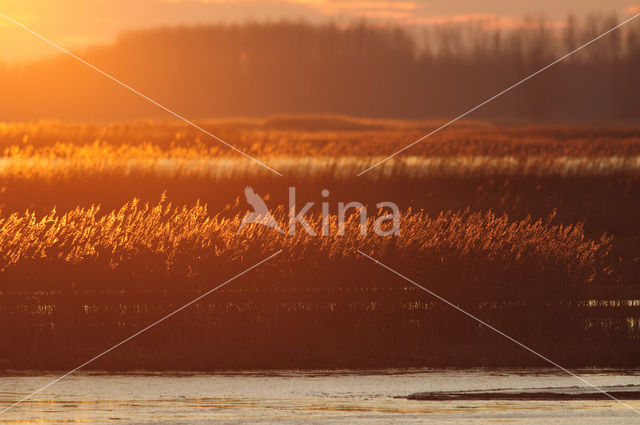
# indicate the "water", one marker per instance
pixel 292 397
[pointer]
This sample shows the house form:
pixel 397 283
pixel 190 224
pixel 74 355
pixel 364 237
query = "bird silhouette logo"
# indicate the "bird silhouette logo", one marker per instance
pixel 260 213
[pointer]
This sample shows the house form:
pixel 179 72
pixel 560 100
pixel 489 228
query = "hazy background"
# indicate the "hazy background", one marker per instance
pixel 77 23
pixel 400 59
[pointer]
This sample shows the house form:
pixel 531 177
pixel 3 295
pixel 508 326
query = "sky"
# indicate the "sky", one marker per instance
pixel 77 23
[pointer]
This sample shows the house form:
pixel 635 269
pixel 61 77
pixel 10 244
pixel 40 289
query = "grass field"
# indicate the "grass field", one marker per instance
pixel 104 229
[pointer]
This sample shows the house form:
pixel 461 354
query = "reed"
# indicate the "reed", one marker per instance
pixel 77 281
pixel 83 266
pixel 187 241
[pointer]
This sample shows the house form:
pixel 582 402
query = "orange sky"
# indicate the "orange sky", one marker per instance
pixel 76 23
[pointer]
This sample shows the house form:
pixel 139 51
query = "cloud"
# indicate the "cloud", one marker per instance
pixel 358 4
pixel 633 10
pixel 375 9
pixel 350 8
pixel 401 12
pixel 487 21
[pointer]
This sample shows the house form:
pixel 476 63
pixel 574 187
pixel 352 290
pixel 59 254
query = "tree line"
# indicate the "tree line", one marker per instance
pixel 362 69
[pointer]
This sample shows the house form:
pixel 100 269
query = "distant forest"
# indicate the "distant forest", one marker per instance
pixel 361 69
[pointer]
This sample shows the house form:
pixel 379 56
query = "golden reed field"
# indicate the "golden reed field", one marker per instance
pixel 106 228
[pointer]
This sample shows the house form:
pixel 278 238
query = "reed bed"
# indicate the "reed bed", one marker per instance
pixel 473 249
pixel 77 281
pixel 509 169
pixel 66 162
pixel 301 137
pixel 83 266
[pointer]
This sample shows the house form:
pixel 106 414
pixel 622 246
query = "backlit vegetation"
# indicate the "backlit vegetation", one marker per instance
pixel 82 265
pixel 165 237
